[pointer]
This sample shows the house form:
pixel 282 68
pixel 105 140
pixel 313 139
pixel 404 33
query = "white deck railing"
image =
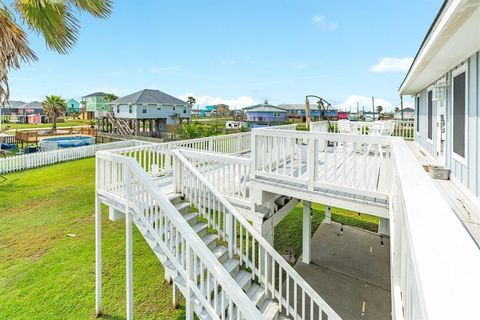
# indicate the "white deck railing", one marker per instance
pixel 159 155
pixel 39 159
pixel 280 281
pixel 403 128
pixel 229 174
pixel 121 178
pixel 340 162
pixel 434 261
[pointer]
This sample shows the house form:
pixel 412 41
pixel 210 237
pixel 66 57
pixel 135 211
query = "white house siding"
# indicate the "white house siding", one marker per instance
pixel 153 111
pixel 421 135
pixel 467 174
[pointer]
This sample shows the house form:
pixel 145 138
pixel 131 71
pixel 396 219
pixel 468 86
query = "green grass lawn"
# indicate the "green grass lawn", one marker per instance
pixel 46 274
pixel 68 123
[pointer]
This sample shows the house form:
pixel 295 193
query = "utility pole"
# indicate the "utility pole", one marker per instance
pixel 358 116
pixel 401 105
pixel 373 107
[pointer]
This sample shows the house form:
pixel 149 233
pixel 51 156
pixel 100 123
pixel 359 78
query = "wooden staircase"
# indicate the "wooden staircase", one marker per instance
pixel 257 294
pixel 121 125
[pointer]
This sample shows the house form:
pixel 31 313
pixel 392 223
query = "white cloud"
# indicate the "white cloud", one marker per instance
pixel 206 100
pixel 321 22
pixel 389 64
pixel 363 101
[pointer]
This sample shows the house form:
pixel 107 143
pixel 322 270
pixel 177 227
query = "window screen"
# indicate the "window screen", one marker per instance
pixel 430 116
pixel 417 105
pixel 459 114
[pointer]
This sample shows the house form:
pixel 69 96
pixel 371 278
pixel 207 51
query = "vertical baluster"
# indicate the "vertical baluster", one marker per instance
pixel 287 293
pixel 295 300
pixel 303 304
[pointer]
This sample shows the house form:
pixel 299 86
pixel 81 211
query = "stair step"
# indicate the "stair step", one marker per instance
pixel 257 294
pixel 220 252
pixel 210 240
pixel 232 266
pixel 244 279
pixel 269 309
pixel 174 197
pixel 191 217
pixel 182 207
pixel 200 228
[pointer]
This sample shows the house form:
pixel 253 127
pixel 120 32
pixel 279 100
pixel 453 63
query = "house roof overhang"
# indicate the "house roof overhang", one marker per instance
pixel 453 37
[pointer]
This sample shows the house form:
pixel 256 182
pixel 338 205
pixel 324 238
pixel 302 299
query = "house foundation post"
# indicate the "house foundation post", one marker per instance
pixel 307 232
pixel 98 255
pixel 328 215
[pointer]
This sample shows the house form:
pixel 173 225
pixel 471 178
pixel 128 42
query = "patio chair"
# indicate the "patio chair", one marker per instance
pixel 388 128
pixel 344 126
pixel 376 129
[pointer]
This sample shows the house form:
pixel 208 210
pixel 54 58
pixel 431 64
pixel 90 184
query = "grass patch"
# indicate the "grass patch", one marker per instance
pixel 47 274
pixel 288 233
pixel 68 123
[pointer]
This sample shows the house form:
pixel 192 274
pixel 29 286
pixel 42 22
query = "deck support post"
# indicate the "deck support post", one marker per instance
pixel 307 232
pixel 175 296
pixel 328 215
pixel 98 256
pixel 129 267
pixel 129 247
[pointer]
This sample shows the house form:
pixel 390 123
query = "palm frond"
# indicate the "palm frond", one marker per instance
pixel 14 50
pixel 53 19
pixel 97 8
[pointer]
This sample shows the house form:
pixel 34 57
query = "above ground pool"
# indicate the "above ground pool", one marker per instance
pixel 66 142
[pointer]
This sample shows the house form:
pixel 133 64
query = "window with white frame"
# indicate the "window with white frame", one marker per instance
pixel 430 115
pixel 459 119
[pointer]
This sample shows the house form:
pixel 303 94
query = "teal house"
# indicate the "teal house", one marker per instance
pixel 73 106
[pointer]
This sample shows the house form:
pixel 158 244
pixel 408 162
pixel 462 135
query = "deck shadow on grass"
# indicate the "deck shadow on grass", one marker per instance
pixel 111 317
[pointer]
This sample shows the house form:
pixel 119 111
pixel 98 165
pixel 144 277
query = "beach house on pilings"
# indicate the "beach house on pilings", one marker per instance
pixel 146 112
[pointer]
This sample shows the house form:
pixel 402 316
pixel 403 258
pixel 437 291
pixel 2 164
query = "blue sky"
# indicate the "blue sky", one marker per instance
pixel 238 52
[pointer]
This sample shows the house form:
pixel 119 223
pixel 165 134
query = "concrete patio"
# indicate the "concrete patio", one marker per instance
pixel 351 271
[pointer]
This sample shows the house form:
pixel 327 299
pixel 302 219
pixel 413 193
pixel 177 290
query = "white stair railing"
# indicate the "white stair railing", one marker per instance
pixel 160 154
pixel 280 281
pixel 230 175
pixel 122 179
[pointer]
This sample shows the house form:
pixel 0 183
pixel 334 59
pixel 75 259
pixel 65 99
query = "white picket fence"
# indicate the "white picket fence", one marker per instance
pixel 39 159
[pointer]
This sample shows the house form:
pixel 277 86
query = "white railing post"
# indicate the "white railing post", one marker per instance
pixel 98 245
pixel 188 298
pixel 129 245
pixel 312 162
pixel 230 233
pixel 168 161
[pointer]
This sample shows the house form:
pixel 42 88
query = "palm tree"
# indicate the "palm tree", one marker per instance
pixel 397 109
pixel 110 97
pixel 54 107
pixel 191 100
pixel 379 109
pixel 55 20
pixel 189 131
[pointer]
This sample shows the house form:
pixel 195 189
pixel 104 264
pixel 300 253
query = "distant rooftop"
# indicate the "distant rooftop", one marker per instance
pixel 13 104
pixel 32 105
pixel 96 94
pixel 292 106
pixel 149 96
pixel 264 107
